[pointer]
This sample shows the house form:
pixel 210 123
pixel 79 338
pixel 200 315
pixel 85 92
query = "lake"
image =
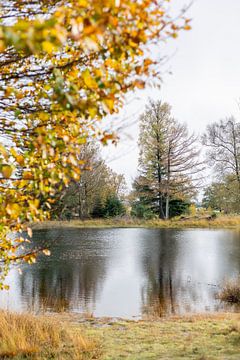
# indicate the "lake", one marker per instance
pixel 130 273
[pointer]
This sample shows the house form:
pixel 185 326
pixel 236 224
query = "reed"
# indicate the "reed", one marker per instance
pixel 26 336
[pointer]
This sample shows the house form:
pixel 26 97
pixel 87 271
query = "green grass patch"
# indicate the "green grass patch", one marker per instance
pixel 205 338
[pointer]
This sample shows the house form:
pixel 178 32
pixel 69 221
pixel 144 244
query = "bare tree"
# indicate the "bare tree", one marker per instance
pixel 223 141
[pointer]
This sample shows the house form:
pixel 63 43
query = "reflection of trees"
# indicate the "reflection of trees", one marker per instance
pixel 66 280
pixel 176 270
pixel 159 292
pixel 180 276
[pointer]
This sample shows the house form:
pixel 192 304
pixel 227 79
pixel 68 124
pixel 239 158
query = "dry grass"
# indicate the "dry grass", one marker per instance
pixel 231 292
pixel 209 337
pixel 221 221
pixel 27 336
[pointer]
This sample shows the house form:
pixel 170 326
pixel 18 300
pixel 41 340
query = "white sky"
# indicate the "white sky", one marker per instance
pixel 205 82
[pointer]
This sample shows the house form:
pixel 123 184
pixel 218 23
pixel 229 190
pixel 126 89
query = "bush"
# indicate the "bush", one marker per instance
pixel 141 211
pixel 178 207
pixel 231 292
pixel 113 207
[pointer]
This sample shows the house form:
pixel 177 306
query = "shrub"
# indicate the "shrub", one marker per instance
pixel 113 207
pixel 141 211
pixel 231 292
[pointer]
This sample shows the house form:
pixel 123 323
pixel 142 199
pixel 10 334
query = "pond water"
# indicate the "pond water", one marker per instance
pixel 127 272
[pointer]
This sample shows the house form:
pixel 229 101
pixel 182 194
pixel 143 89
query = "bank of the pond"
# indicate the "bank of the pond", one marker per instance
pixel 195 337
pixel 228 222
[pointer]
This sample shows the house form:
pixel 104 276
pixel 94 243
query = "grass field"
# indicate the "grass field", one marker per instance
pixel 65 337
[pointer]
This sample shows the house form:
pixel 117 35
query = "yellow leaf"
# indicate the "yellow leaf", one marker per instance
pixel 83 3
pixel 13 209
pixel 20 159
pixel 109 104
pixel 27 175
pixel 92 112
pixel 48 47
pixel 6 171
pixel 34 204
pixel 88 79
pixel 13 152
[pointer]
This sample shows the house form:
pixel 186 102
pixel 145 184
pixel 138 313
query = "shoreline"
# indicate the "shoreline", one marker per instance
pixel 199 336
pixel 221 222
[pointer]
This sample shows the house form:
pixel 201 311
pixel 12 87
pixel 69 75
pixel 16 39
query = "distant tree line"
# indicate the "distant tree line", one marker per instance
pixel 98 193
pixel 170 172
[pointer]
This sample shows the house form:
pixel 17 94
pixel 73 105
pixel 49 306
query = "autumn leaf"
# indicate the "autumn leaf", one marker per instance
pixel 6 171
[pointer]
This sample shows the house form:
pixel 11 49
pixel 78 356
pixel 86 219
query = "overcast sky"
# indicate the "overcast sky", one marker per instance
pixel 205 82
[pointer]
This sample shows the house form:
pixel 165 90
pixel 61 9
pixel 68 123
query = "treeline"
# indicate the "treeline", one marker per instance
pixel 222 140
pixel 98 193
pixel 170 172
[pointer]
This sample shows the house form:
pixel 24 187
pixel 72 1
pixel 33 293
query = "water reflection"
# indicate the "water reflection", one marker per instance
pixel 185 270
pixel 127 272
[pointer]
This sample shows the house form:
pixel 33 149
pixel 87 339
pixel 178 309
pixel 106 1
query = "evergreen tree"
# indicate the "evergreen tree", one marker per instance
pixel 113 207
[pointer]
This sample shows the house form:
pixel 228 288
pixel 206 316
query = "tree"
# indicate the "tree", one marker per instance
pixel 142 199
pixel 223 142
pixel 113 207
pixel 87 196
pixel 64 66
pixel 222 195
pixel 168 159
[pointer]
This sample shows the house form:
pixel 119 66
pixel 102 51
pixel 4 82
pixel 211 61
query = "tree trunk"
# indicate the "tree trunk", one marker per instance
pixel 160 207
pixel 167 207
pixel 168 181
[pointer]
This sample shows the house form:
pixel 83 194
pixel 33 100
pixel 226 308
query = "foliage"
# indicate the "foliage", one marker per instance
pixel 88 195
pixel 98 209
pixel 64 66
pixel 141 211
pixel 178 207
pixel 222 195
pixel 113 207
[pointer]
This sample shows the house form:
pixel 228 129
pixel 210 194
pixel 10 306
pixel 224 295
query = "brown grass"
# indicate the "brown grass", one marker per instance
pixel 231 292
pixel 26 336
pixel 221 221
